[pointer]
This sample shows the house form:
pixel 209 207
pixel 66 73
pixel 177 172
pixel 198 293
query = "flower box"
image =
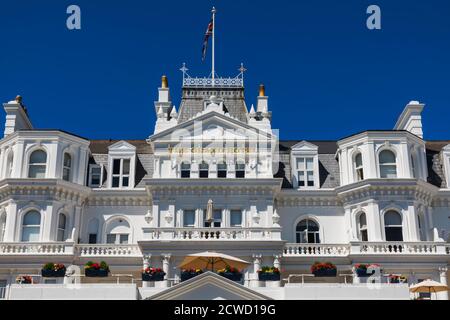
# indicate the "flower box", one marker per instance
pixel 53 274
pixel 93 273
pixel 264 276
pixel 231 276
pixel 189 275
pixel 153 277
pixel 325 273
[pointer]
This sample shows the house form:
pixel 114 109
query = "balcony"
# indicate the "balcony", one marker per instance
pixel 366 248
pixel 212 234
pixel 107 250
pixel 33 249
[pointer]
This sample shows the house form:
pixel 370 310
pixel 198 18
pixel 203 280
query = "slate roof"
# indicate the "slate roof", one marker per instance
pixel 193 98
pixel 328 164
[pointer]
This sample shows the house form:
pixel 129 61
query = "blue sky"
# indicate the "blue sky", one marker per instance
pixel 326 74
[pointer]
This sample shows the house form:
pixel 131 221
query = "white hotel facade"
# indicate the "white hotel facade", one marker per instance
pixel 374 197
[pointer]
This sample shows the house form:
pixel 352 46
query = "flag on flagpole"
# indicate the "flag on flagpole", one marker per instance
pixel 208 33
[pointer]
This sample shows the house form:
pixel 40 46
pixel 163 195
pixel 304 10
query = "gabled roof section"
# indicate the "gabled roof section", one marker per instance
pixel 226 119
pixel 122 146
pixel 209 286
pixel 305 146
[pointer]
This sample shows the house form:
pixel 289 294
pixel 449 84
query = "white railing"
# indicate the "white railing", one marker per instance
pixel 399 248
pixel 212 234
pixel 55 248
pixel 236 82
pixel 107 250
pixel 308 250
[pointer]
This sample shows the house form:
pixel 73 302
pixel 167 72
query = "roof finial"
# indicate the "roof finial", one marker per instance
pixel 164 82
pixel 262 90
pixel 18 99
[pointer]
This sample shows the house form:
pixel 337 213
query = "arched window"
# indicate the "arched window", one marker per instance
pixel 185 170
pixel 67 166
pixel 307 231
pixel 222 170
pixel 362 227
pixel 9 164
pixel 203 170
pixel 359 172
pixel 388 164
pixel 240 170
pixel 393 227
pixel 38 164
pixel 2 226
pixel 31 226
pixel 93 230
pixel 118 232
pixel 61 235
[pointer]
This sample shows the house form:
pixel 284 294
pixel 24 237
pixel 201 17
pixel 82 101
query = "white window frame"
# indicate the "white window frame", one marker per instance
pixel 305 149
pixel 23 226
pixel 388 164
pixel 120 175
pixel 122 150
pixel 242 218
pixel 91 167
pixel 359 168
pixel 361 230
pixel 64 167
pixel 184 220
pixel 117 239
pixel 59 229
pixel 37 164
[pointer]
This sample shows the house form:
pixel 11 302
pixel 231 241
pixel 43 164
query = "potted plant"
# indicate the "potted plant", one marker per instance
pixel 393 278
pixel 153 274
pixel 269 274
pixel 187 274
pixel 327 269
pixel 53 270
pixel 92 269
pixel 24 280
pixel 361 269
pixel 230 273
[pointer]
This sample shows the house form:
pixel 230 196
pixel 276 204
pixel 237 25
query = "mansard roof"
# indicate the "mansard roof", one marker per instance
pixel 101 146
pixel 193 98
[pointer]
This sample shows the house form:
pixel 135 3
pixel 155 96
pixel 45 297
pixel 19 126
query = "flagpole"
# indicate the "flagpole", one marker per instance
pixel 213 44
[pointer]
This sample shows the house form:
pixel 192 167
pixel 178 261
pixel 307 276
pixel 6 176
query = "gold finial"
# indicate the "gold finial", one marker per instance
pixel 164 82
pixel 19 99
pixel 262 90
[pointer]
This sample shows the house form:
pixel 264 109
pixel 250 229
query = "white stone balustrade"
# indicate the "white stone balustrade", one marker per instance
pixel 299 249
pixel 383 248
pixel 108 250
pixel 54 248
pixel 211 234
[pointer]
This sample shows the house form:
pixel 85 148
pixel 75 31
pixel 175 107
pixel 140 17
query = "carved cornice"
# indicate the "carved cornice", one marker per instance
pixel 305 198
pixel 42 189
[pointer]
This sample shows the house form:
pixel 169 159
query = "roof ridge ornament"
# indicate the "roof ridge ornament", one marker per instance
pixel 210 82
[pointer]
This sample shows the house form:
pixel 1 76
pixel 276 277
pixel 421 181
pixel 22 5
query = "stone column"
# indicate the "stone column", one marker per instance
pixel 443 279
pixel 166 268
pixel 146 263
pixel 253 280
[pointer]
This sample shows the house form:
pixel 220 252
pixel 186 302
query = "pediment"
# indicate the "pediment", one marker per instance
pixel 305 146
pixel 122 146
pixel 211 126
pixel 209 286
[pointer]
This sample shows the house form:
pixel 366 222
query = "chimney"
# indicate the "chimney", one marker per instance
pixel 262 105
pixel 16 116
pixel 163 96
pixel 411 119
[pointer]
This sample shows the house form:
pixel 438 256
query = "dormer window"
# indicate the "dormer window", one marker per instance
pixel 185 170
pixel 359 171
pixel 95 175
pixel 240 170
pixel 305 165
pixel 222 170
pixel 305 172
pixel 121 173
pixel 121 165
pixel 203 170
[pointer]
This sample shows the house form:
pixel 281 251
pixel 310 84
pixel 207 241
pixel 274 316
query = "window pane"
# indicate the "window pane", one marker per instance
pixel 217 214
pixel 394 234
pixel 62 221
pixel 388 171
pixel 30 234
pixel 37 171
pixel 310 179
pixel 66 174
pixel 32 218
pixel 301 163
pixel 125 182
pixel 92 238
pixel 67 160
pixel 387 156
pixel 38 156
pixel 358 160
pixel 189 218
pixel 111 238
pixel 126 166
pixel 60 236
pixel 392 218
pixel 309 163
pixel 115 182
pixel 236 218
pixel 124 239
pixel 116 166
